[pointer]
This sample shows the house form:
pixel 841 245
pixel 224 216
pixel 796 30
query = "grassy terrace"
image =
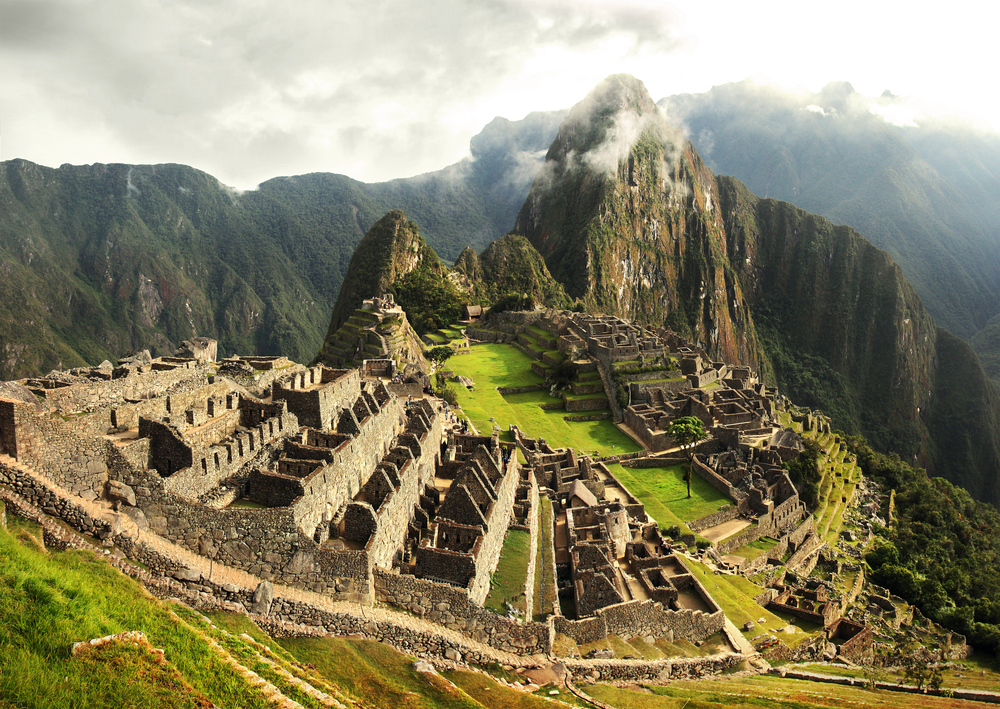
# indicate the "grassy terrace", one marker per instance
pixel 543 595
pixel 664 493
pixel 507 583
pixel 503 365
pixel 735 595
pixel 754 549
pixel 764 691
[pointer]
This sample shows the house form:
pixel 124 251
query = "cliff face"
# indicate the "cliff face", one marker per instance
pixel 842 327
pixel 626 215
pixel 631 221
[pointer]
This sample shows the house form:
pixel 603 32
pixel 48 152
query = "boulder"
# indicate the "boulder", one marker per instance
pixel 137 516
pixel 453 654
pixel 263 597
pixel 135 358
pixel 424 666
pixel 19 392
pixel 120 492
pixel 203 349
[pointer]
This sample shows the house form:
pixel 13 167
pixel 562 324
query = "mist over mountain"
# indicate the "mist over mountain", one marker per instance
pixel 631 221
pixel 925 190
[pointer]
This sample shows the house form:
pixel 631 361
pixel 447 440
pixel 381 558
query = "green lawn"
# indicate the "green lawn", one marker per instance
pixel 507 583
pixel 735 595
pixel 754 549
pixel 490 366
pixel 664 493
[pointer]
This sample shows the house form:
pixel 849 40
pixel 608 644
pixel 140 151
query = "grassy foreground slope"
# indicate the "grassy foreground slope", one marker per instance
pixel 52 599
pixel 55 598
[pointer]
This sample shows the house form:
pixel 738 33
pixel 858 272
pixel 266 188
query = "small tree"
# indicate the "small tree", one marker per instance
pixel 687 431
pixel 440 354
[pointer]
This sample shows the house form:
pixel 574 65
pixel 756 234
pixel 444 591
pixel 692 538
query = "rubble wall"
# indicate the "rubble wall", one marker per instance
pixel 456 610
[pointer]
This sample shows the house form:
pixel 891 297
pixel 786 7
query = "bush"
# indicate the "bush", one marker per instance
pixel 671 532
pixel 449 395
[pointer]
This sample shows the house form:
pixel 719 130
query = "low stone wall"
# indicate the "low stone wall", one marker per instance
pixel 656 670
pixel 744 536
pixel 727 513
pixel 453 608
pixel 594 404
pixel 589 417
pixel 504 391
pixel 716 480
pixel 651 461
pixel 644 618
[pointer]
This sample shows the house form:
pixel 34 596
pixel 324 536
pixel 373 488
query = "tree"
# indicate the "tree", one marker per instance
pixel 439 354
pixel 687 431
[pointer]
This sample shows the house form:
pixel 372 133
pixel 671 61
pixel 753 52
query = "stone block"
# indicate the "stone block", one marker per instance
pixel 263 597
pixel 119 491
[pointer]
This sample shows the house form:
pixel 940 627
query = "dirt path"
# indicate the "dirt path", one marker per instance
pixel 726 529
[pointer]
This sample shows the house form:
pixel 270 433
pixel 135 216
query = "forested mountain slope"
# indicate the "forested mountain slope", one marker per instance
pixel 101 259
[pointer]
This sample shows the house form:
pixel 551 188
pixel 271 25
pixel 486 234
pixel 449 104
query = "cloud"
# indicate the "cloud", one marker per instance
pixel 251 89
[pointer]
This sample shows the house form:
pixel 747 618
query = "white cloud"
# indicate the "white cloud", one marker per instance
pixel 250 89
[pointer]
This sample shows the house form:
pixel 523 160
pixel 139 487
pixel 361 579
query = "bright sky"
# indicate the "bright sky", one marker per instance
pixel 252 89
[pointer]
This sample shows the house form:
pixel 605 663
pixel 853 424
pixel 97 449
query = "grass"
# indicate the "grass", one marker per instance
pixel 544 596
pixel 507 583
pixel 493 695
pixel 503 365
pixel 762 691
pixel 664 493
pixel 377 675
pixel 55 598
pixel 754 549
pixel 735 595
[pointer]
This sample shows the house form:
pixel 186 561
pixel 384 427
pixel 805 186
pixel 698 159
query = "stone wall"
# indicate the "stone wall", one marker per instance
pixel 212 464
pixel 717 481
pixel 91 395
pixel 594 404
pixel 51 447
pixel 492 544
pixel 727 513
pixel 456 610
pixel 331 487
pixel 504 391
pixel 316 395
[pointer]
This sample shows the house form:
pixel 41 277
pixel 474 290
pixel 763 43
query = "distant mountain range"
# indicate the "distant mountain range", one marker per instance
pixel 101 259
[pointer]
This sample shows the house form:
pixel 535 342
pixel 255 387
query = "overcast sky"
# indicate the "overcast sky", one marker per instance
pixel 252 89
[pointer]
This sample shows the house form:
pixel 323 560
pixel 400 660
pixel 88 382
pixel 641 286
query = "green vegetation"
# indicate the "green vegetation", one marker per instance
pixel 52 599
pixel 503 365
pixel 941 551
pixel 686 432
pixel 762 691
pixel 544 595
pixel 663 491
pixel 511 275
pixel 735 595
pixel 507 582
pixel 376 674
